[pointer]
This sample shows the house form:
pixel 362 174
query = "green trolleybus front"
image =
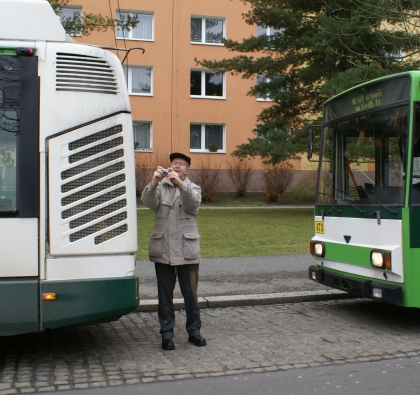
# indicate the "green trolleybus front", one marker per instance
pixel 367 209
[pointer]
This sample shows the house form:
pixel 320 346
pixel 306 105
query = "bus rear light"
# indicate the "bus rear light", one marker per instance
pixel 25 51
pixel 49 296
pixel 380 259
pixel 377 293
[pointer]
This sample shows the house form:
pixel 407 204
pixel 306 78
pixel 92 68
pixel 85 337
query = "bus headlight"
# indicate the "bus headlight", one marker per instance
pixel 317 248
pixel 380 259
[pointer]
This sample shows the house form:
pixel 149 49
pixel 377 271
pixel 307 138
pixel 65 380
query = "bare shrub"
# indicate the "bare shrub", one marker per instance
pixel 207 176
pixel 240 173
pixel 276 180
pixel 143 172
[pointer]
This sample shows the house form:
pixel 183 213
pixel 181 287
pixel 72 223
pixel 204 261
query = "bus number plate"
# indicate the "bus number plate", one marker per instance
pixel 319 227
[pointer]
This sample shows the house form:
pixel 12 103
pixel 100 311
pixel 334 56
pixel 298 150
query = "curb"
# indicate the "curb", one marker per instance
pixel 251 300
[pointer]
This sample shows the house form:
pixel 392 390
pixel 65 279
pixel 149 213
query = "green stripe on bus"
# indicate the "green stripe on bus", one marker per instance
pixel 355 255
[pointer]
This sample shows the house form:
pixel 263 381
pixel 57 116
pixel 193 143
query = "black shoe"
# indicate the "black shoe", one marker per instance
pixel 168 344
pixel 197 340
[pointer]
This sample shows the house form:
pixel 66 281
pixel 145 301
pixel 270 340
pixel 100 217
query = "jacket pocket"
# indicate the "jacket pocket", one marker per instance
pixel 191 247
pixel 156 245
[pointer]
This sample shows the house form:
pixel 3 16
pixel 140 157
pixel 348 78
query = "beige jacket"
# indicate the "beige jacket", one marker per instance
pixel 174 239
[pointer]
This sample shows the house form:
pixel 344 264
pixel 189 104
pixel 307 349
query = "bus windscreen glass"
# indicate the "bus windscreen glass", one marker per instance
pixel 364 159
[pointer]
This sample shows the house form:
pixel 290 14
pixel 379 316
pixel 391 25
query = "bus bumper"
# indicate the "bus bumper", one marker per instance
pixel 87 301
pixel 364 288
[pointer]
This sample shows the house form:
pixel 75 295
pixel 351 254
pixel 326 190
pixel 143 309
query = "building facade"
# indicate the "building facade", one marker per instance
pixel 177 106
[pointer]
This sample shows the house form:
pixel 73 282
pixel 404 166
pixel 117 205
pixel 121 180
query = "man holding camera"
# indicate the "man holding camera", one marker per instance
pixel 175 245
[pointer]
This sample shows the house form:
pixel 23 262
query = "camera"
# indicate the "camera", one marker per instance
pixel 164 172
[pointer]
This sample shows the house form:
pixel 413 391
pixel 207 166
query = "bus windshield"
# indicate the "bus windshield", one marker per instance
pixel 364 159
pixel 9 131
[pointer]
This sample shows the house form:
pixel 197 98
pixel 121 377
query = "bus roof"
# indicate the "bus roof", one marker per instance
pixel 30 20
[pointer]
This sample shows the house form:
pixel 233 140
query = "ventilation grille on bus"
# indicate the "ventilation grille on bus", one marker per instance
pixel 105 186
pixel 82 73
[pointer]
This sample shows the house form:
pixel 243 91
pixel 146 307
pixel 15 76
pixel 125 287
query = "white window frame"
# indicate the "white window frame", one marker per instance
pixel 203 86
pixel 269 30
pixel 203 29
pixel 130 80
pixel 203 137
pixel 130 31
pixel 73 9
pixel 150 149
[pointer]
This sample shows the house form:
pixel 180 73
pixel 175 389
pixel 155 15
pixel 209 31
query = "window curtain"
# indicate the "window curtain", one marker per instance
pixel 120 32
pixel 141 132
pixel 141 79
pixel 195 136
pixel 196 30
pixel 143 30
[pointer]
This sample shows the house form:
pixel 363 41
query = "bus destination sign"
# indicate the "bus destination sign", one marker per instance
pixel 367 97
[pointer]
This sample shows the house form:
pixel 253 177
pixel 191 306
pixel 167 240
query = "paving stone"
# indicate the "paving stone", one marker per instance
pixel 47 389
pixel 240 340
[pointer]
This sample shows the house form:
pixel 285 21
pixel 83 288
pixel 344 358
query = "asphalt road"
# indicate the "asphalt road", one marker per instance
pixel 240 276
pixel 388 377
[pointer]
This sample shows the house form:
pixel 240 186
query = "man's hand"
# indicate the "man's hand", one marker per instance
pixel 174 177
pixel 157 176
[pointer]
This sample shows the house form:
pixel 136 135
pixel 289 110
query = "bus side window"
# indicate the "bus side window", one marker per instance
pixel 416 156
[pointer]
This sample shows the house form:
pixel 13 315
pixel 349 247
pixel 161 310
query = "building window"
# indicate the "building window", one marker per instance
pixel 142 136
pixel 278 84
pixel 207 84
pixel 262 79
pixel 268 31
pixel 70 18
pixel 139 80
pixel 207 30
pixel 143 30
pixel 203 137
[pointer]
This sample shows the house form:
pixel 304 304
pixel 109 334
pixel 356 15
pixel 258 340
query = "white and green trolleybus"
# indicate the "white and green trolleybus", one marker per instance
pixel 367 208
pixel 67 188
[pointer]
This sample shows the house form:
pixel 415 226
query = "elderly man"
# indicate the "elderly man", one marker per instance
pixel 175 245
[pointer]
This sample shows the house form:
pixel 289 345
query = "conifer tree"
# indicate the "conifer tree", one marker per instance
pixel 319 48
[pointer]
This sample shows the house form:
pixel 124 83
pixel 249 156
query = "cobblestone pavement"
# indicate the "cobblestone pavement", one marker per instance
pixel 246 339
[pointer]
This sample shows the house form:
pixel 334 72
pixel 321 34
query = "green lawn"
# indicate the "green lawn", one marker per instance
pixel 243 232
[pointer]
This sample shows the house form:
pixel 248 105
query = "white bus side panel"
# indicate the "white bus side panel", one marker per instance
pixel 79 84
pixel 92 203
pixel 19 247
pixel 90 267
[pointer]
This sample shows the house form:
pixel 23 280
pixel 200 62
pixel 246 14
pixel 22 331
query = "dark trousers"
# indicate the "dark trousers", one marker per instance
pixel 188 282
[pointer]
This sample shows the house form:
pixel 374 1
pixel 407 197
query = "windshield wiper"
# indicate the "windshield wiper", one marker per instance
pixel 343 195
pixel 377 201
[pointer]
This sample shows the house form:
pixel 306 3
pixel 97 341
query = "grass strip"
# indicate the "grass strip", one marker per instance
pixel 243 232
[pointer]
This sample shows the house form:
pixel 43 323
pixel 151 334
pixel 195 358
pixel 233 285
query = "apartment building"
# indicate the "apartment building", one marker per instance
pixel 176 104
